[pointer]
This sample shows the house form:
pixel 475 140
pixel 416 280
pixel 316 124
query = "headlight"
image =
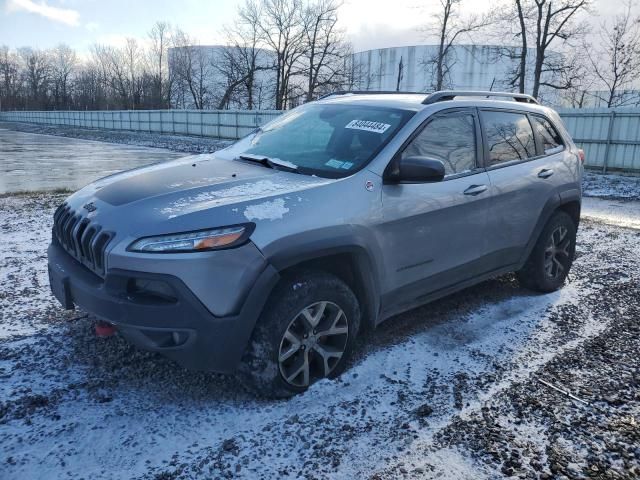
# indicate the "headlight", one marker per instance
pixel 199 241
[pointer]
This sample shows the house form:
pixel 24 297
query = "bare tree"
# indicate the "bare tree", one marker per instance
pixel 63 64
pixel 326 48
pixel 9 78
pixel 616 59
pixel 159 38
pixel 540 25
pixel 449 26
pixel 89 88
pixel 279 52
pixel 193 69
pixel 131 54
pixel 244 58
pixel 112 65
pixel 36 75
pixel 281 28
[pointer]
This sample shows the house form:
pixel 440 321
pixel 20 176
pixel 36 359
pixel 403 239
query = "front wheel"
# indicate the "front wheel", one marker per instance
pixel 548 265
pixel 306 333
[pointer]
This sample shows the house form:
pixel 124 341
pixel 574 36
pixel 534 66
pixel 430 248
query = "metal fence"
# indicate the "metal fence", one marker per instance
pixel 229 124
pixel 610 138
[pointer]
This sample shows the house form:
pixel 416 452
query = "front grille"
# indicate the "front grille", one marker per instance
pixel 82 239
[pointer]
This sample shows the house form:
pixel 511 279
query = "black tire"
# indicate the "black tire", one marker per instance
pixel 260 370
pixel 540 275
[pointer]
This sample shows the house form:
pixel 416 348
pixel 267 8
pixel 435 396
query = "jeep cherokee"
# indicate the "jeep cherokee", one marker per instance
pixel 268 258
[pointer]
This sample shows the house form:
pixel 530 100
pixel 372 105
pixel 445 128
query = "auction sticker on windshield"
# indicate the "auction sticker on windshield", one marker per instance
pixel 368 126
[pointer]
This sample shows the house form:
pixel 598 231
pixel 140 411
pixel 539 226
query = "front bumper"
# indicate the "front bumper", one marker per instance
pixel 175 324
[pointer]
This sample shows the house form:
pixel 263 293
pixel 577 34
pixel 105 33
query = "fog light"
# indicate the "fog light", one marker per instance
pixel 142 289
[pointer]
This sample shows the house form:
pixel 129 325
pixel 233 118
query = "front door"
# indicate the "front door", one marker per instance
pixel 433 234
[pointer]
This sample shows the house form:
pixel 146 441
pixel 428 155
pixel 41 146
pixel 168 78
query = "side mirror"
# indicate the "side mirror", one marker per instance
pixel 416 169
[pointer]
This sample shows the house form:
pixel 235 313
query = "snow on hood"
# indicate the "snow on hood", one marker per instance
pixel 216 196
pixel 270 210
pixel 201 182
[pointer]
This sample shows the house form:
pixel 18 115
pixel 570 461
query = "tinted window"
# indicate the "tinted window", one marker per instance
pixel 328 140
pixel 450 138
pixel 551 140
pixel 509 137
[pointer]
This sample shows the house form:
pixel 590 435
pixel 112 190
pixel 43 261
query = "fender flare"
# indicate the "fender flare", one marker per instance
pixel 352 240
pixel 554 202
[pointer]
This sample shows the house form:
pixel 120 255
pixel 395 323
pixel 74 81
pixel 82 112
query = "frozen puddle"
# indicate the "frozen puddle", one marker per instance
pixel 45 162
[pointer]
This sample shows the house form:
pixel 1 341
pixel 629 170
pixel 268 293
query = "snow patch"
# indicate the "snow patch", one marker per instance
pixel 271 210
pixel 235 194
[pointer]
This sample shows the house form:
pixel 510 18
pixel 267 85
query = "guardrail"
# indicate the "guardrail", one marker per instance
pixel 609 137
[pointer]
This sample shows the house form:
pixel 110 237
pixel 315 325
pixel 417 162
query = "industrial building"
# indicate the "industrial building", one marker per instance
pixel 411 68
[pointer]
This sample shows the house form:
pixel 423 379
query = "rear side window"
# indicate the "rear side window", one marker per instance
pixel 509 137
pixel 549 136
pixel 450 138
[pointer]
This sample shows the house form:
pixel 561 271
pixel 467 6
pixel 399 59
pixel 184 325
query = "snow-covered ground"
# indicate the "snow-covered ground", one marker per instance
pixel 451 390
pixel 612 211
pixel 611 186
pixel 461 388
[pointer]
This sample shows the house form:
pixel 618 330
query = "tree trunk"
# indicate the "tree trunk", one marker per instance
pixel 522 73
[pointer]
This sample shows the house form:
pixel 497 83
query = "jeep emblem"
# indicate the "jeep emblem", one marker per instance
pixel 90 207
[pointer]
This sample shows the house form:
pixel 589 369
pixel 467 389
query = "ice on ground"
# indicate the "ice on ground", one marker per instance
pixel 614 212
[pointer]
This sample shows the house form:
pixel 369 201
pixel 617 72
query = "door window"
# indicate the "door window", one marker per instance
pixel 449 138
pixel 509 137
pixel 551 139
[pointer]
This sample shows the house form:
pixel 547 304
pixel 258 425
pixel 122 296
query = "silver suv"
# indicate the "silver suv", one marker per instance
pixel 269 257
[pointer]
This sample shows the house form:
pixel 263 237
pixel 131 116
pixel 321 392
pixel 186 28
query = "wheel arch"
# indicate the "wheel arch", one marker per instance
pixel 571 204
pixel 342 252
pixel 568 201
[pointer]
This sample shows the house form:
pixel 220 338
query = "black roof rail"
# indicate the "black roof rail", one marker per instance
pixel 445 95
pixel 369 92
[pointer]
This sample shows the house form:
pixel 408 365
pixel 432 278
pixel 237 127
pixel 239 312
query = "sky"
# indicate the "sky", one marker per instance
pixel 81 23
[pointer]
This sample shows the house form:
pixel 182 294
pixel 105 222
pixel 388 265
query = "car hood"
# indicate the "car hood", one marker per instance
pixel 187 189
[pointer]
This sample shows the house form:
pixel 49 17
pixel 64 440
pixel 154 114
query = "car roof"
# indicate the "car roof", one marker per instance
pixel 407 101
pixel 416 101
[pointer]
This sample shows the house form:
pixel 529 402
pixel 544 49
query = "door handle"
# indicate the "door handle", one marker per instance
pixel 475 189
pixel 545 173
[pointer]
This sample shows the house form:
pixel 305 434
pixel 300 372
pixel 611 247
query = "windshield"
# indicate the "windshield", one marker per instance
pixel 326 140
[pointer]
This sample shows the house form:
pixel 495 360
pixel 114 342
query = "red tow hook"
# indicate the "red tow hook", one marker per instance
pixel 104 329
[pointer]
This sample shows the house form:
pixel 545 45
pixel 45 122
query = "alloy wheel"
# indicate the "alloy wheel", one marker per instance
pixel 556 255
pixel 313 344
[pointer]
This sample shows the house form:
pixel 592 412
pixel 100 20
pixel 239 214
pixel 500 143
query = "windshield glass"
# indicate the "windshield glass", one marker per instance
pixel 326 140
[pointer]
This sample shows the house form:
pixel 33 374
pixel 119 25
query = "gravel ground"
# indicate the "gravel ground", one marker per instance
pixel 611 186
pixel 451 390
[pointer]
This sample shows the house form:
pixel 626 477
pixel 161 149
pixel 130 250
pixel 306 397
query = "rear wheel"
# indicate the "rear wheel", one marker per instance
pixel 548 265
pixel 306 333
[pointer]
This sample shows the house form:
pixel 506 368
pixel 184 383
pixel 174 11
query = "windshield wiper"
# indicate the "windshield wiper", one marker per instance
pixel 274 163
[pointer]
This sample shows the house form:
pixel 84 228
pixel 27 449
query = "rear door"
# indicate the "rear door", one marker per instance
pixel 432 232
pixel 524 157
